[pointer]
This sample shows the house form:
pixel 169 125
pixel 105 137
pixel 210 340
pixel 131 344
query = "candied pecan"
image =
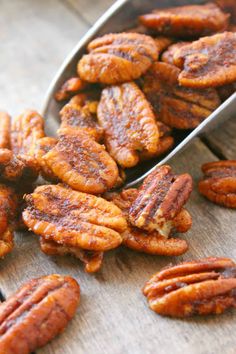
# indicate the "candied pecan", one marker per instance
pixel 37 312
pixel 201 287
pixel 228 6
pixel 160 199
pixel 69 88
pixel 43 146
pixel 91 259
pixel 219 183
pixel 73 218
pixel 82 163
pixel 178 107
pixel 168 55
pixel 117 57
pixel 186 21
pixel 5 130
pixel 81 113
pixel 129 123
pixel 208 62
pixel 8 206
pixel 26 130
pixel 150 243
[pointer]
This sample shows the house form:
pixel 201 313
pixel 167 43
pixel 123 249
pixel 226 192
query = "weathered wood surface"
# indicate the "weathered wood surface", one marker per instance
pixel 113 317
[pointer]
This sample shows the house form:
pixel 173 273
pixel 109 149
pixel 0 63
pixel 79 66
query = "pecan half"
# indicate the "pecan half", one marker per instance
pixel 91 259
pixel 81 113
pixel 178 107
pixel 186 21
pixel 82 163
pixel 5 130
pixel 117 57
pixel 152 242
pixel 160 199
pixel 129 124
pixel 37 312
pixel 219 183
pixel 201 287
pixel 73 218
pixel 8 210
pixel 208 62
pixel 72 86
pixel 43 146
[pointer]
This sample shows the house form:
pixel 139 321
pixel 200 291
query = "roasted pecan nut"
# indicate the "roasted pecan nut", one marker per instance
pixel 129 124
pixel 150 243
pixel 73 218
pixel 219 183
pixel 82 163
pixel 25 131
pixel 81 113
pixel 117 57
pixel 43 146
pixel 69 88
pixel 187 21
pixel 17 168
pixel 208 62
pixel 178 107
pixel 5 130
pixel 91 259
pixel 37 312
pixel 201 287
pixel 168 55
pixel 160 199
pixel 8 210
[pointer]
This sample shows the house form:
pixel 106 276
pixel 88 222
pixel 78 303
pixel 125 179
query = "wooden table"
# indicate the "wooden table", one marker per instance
pixel 113 317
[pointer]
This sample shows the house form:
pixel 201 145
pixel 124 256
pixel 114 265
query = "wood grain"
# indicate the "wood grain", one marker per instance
pixel 113 317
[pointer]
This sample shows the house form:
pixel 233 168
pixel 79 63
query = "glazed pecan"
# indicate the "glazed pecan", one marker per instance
pixel 178 107
pixel 168 55
pixel 82 163
pixel 160 199
pixel 117 57
pixel 5 130
pixel 81 113
pixel 219 183
pixel 8 207
pixel 43 146
pixel 186 21
pixel 91 259
pixel 69 88
pixel 151 243
pixel 129 124
pixel 37 312
pixel 73 218
pixel 208 62
pixel 202 287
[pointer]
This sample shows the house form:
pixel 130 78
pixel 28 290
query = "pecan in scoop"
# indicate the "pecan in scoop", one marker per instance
pixel 73 218
pixel 43 146
pixel 79 161
pixel 186 21
pixel 8 211
pixel 208 62
pixel 117 57
pixel 81 113
pixel 91 259
pixel 37 312
pixel 201 287
pixel 129 124
pixel 160 199
pixel 219 183
pixel 178 107
pixel 69 88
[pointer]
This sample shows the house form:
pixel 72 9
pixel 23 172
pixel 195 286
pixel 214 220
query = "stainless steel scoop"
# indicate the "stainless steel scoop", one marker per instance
pixel 122 15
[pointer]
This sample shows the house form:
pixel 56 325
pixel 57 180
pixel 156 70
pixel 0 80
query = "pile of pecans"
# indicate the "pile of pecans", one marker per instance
pixel 132 90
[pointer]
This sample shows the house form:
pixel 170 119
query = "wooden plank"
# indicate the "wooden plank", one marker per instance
pixel 35 37
pixel 90 10
pixel 223 140
pixel 113 316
